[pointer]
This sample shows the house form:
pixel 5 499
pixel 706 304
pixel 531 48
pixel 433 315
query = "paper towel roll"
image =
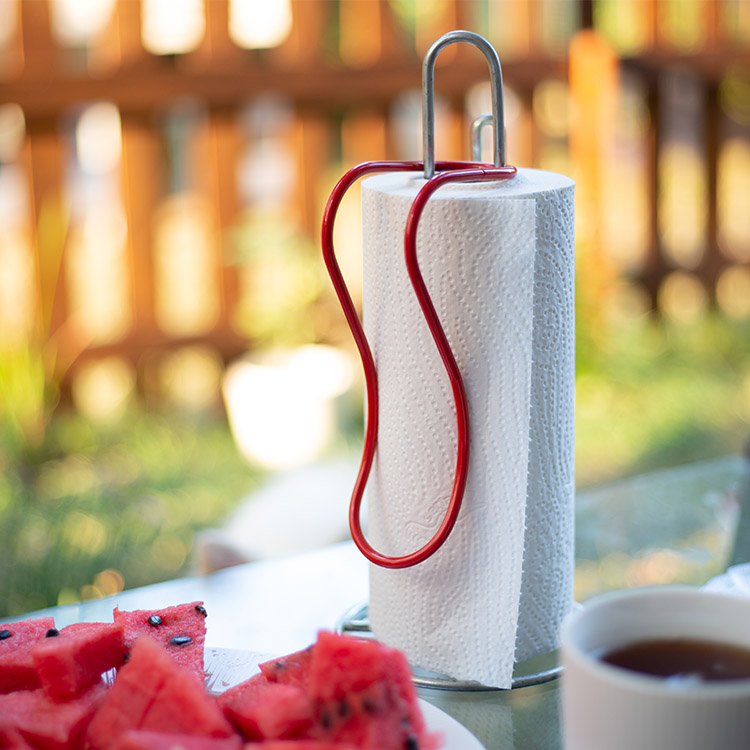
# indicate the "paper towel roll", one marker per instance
pixel 498 260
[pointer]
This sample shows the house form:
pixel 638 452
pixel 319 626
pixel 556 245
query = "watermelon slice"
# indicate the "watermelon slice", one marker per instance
pixel 137 739
pixel 45 723
pixel 364 695
pixel 260 709
pixel 78 656
pixel 181 629
pixel 293 669
pixel 17 670
pixel 152 691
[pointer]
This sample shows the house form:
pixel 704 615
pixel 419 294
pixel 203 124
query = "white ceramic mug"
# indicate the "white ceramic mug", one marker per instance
pixel 611 708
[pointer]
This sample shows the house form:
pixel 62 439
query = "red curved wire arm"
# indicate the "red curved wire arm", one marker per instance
pixel 447 172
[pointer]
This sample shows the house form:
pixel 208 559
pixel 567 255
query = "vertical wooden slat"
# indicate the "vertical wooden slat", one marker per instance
pixel 394 41
pixel 11 55
pixel 143 180
pixel 314 139
pixel 128 19
pixel 226 147
pixel 41 54
pixel 360 42
pixel 712 262
pixel 304 45
pixel 44 158
pixel 217 47
pixel 363 137
pixel 105 53
pixel 653 266
pixel 202 158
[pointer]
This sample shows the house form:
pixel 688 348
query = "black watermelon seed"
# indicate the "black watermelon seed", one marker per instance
pixel 126 658
pixel 180 640
pixel 411 743
pixel 154 620
pixel 343 709
pixel 5 634
pixel 326 720
pixel 52 633
pixel 369 707
pixel 200 608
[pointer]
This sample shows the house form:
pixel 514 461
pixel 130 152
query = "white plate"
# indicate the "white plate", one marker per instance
pixel 227 667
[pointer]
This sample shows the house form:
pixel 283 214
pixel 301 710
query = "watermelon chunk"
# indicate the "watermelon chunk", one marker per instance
pixel 17 670
pixel 293 669
pixel 48 724
pixel 364 694
pixel 152 691
pixel 137 739
pixel 132 693
pixel 182 705
pixel 260 709
pixel 181 629
pixel 78 656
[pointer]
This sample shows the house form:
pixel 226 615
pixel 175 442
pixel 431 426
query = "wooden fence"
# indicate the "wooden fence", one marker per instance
pixel 161 237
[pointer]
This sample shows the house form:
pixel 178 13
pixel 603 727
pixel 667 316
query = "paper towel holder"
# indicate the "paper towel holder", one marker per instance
pixel 436 174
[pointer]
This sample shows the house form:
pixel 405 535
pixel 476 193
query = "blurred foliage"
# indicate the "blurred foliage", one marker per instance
pixel 286 286
pixel 91 509
pixel 652 393
pixel 25 399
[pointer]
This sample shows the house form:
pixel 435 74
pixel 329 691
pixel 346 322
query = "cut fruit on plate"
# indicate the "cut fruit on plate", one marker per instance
pixel 226 668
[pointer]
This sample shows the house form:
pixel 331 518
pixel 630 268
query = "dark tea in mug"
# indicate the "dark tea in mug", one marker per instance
pixel 703 660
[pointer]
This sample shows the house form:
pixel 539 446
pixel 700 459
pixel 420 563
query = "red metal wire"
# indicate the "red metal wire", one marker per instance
pixel 446 172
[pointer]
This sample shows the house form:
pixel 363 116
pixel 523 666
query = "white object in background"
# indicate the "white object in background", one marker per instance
pixel 498 261
pixel 294 512
pixel 610 707
pixel 280 404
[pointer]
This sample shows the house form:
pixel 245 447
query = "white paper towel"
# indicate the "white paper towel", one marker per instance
pixel 498 260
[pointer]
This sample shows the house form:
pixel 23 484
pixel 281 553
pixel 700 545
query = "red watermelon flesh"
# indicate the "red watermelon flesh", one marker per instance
pixel 182 705
pixel 260 709
pixel 363 693
pixel 17 670
pixel 133 691
pixel 78 656
pixel 48 724
pixel 291 669
pixel 11 739
pixel 181 629
pixel 137 739
pixel 152 691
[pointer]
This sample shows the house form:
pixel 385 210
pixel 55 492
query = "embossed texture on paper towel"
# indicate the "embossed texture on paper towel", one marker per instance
pixel 498 261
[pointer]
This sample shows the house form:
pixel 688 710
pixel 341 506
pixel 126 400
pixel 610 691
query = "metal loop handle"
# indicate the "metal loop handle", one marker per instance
pixel 476 135
pixel 428 90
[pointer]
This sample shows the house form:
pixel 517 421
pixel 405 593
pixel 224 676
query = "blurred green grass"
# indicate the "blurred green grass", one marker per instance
pixel 652 393
pixel 94 508
pixel 86 509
